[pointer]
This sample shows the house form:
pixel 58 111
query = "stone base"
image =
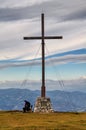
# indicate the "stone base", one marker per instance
pixel 43 105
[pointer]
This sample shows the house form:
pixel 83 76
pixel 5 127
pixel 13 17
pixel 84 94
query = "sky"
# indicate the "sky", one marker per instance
pixel 20 60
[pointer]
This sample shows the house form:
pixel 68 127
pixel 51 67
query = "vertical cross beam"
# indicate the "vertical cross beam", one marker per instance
pixel 43 57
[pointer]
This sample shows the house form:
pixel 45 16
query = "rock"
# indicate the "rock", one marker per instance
pixel 43 104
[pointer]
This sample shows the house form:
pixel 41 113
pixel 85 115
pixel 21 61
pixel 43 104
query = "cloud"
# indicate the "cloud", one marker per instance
pixel 78 15
pixel 12 44
pixel 75 85
pixel 16 3
pixel 63 85
pixel 19 19
pixel 67 59
pixel 9 13
pixel 60 10
pixel 35 62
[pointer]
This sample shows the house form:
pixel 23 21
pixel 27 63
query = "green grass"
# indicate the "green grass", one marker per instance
pixel 37 121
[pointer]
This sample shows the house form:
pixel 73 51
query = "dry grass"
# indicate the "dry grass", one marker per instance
pixel 36 121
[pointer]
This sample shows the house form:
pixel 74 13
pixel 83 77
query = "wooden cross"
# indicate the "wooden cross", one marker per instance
pixel 43 37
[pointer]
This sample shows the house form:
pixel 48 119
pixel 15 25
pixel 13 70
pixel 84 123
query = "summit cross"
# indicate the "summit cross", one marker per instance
pixel 42 38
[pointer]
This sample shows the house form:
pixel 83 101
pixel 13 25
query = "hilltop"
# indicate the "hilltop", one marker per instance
pixel 34 121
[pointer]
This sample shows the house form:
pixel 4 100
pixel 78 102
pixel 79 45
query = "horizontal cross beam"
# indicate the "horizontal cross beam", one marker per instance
pixel 45 37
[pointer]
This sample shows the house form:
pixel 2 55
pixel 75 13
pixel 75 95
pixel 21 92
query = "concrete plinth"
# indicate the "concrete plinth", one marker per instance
pixel 43 104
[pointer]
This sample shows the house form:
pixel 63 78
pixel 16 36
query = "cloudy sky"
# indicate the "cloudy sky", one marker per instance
pixel 65 59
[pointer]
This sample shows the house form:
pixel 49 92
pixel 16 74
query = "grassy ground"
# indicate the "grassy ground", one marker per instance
pixel 36 121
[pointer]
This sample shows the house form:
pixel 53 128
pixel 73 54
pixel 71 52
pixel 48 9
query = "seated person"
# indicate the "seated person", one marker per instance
pixel 27 106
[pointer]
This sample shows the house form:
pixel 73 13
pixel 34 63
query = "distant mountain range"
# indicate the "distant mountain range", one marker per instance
pixel 13 99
